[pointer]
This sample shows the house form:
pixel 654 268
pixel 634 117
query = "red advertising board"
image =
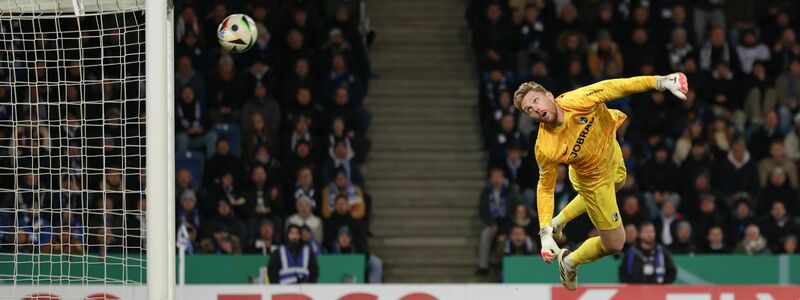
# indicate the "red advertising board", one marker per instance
pixel 677 292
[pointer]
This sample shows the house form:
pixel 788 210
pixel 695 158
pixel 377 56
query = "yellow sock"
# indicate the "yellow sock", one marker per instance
pixel 591 250
pixel 574 208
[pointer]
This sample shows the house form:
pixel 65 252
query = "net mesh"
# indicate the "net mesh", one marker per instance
pixel 72 144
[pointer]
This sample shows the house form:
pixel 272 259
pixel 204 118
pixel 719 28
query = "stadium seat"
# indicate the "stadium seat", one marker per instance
pixel 193 161
pixel 233 134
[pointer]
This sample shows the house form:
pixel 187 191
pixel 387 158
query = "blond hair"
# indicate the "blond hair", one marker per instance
pixel 524 89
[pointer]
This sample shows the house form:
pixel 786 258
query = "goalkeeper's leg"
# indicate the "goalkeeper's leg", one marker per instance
pixel 601 206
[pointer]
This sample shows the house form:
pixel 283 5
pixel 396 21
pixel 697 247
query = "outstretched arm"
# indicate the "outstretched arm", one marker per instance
pixel 545 203
pixel 611 89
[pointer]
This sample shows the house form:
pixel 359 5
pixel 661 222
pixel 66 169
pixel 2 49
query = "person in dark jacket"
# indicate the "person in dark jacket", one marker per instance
pixel 192 128
pixel 495 207
pixel 648 261
pixel 294 262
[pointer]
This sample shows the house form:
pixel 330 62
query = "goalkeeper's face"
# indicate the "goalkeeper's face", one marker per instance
pixel 540 106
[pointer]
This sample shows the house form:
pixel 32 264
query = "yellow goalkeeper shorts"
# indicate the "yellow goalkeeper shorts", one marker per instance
pixel 601 201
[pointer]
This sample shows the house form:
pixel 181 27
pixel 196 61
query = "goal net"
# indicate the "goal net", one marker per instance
pixel 73 155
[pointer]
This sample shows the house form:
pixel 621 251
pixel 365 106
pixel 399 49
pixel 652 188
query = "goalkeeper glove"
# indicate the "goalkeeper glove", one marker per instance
pixel 676 83
pixel 550 249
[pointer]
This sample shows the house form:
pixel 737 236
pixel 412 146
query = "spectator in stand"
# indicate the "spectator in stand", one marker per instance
pixel 736 175
pixel 308 238
pixel 258 74
pixel 678 49
pixel 786 51
pixel 226 190
pixel 355 116
pixel 342 217
pixel 715 242
pixel 764 136
pixel 724 94
pixel 521 218
pixel 264 56
pixel 648 261
pixel 601 53
pixel 792 141
pixel 221 241
pixel 666 223
pixel 787 85
pixel 295 48
pixel 305 217
pixel 742 217
pixel 699 160
pixel 657 180
pixel 492 38
pixel 518 243
pixel 493 83
pixel 639 53
pixel 301 132
pixel 762 96
pixel 227 218
pixel 495 206
pixel 778 189
pixel 264 243
pixel 520 171
pixel 294 262
pixel 301 156
pixel 341 77
pixel 345 244
pixel 302 108
pixel 261 103
pixel 189 212
pixel 305 187
pixel 184 183
pixel 753 243
pixel 717 51
pixel 301 77
pixel 532 37
pixel 790 244
pixel 222 162
pixel 684 242
pixel 777 159
pixel 224 94
pixel 185 75
pixel 631 212
pixel 341 159
pixel 751 50
pixel 506 134
pixel 192 128
pixel 710 215
pixel 356 144
pixel 263 199
pixel 258 134
pixel 341 185
pixel 777 225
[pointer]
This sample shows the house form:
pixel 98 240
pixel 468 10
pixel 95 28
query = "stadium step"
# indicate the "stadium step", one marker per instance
pixel 425 170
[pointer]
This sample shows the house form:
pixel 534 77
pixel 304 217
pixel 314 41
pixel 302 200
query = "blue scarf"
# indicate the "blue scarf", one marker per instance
pixel 497 206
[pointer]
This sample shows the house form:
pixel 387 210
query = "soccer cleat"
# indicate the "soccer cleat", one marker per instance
pixel 569 279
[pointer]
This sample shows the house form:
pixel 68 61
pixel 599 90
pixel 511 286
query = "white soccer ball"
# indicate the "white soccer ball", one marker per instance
pixel 237 33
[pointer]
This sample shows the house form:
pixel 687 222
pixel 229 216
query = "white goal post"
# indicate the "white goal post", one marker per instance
pixel 86 148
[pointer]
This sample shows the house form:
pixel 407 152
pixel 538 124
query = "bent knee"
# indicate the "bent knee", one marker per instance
pixel 614 245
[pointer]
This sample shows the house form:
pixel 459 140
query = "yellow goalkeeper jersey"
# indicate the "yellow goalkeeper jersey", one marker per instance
pixel 585 140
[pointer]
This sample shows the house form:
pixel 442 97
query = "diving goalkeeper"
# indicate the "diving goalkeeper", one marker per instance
pixel 576 128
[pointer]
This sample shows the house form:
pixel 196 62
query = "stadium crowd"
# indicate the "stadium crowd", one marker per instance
pixel 717 173
pixel 266 140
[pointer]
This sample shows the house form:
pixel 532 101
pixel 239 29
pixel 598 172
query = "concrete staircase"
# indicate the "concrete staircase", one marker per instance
pixel 424 171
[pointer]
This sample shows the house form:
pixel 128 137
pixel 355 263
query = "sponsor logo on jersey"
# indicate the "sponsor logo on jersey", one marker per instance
pixel 583 120
pixel 581 138
pixel 594 92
